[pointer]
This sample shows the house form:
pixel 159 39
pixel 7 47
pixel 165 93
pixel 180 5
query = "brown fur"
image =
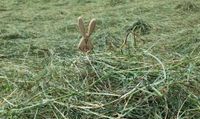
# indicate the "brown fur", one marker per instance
pixel 85 44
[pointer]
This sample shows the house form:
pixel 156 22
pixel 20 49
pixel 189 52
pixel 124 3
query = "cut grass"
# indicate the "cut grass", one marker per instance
pixel 42 74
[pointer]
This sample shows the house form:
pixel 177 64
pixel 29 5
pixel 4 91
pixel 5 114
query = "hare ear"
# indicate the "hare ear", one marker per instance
pixel 81 26
pixel 91 26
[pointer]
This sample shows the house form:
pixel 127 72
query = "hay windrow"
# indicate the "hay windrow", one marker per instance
pixel 43 75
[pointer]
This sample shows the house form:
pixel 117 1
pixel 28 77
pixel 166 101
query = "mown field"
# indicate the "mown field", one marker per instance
pixel 155 75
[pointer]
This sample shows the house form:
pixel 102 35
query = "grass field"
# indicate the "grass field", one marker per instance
pixel 154 76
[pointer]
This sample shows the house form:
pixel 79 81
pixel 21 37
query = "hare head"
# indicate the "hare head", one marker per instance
pixel 85 44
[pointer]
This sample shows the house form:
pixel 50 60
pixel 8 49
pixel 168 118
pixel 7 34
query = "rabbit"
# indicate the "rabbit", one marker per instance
pixel 85 44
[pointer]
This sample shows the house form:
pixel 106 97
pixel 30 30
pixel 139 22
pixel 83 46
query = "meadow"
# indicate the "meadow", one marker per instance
pixel 153 75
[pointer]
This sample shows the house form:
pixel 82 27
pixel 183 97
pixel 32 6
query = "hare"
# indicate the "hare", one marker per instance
pixel 85 44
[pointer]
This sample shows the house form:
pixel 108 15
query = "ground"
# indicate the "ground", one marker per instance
pixel 155 75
